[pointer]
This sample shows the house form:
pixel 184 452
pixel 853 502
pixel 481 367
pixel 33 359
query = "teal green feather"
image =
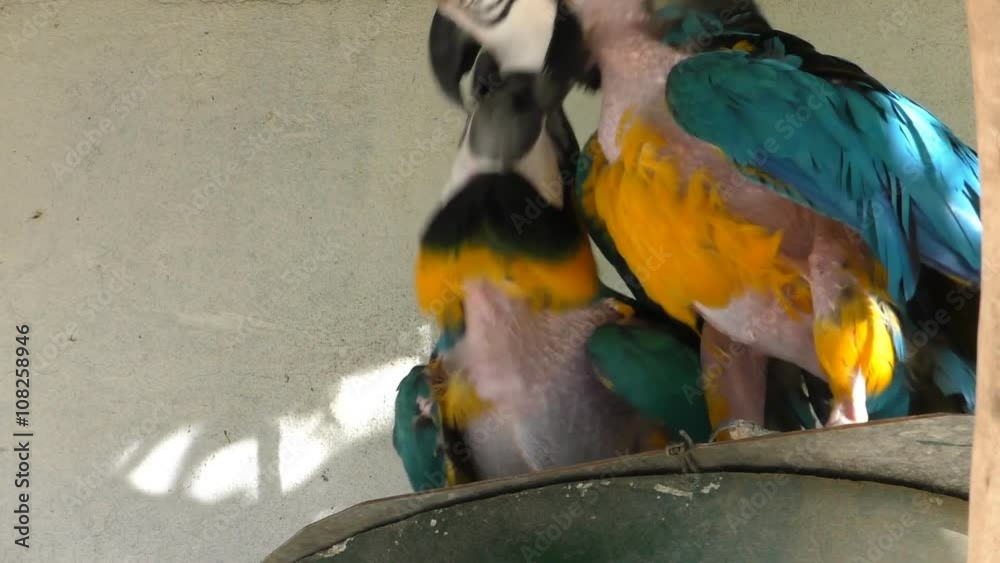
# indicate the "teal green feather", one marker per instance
pixel 655 374
pixel 856 151
pixel 655 365
pixel 894 400
pixel 446 341
pixel 691 24
pixel 416 437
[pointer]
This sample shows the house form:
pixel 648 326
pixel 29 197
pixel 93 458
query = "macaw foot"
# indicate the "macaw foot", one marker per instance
pixel 738 430
pixel 624 309
pixel 683 449
pixel 853 409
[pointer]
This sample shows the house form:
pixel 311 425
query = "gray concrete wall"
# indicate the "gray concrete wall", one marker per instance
pixel 210 214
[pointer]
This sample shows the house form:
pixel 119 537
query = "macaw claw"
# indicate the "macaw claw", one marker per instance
pixel 624 309
pixel 738 430
pixel 683 449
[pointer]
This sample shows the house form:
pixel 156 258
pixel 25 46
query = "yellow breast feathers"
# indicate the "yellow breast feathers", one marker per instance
pixel 678 237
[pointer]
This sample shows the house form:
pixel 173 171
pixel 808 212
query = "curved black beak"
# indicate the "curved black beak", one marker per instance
pixel 453 52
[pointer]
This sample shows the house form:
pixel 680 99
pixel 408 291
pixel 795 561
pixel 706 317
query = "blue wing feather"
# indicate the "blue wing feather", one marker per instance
pixel 956 377
pixel 831 138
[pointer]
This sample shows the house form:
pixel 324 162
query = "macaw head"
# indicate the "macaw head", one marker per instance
pixel 506 198
pixel 508 132
pixel 541 38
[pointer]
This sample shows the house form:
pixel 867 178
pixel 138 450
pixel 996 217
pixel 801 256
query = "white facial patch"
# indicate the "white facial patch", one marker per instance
pixel 519 40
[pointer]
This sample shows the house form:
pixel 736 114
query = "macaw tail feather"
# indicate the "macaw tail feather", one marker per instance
pixel 791 403
pixel 955 377
pixel 941 328
pixel 863 336
pixel 942 381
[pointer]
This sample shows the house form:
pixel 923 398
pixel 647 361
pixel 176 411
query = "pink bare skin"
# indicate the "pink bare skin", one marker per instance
pixel 549 408
pixel 634 67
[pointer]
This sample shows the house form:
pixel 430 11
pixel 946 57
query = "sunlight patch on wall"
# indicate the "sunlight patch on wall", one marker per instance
pixel 226 472
pixel 156 474
pixel 365 400
pixel 127 453
pixel 303 447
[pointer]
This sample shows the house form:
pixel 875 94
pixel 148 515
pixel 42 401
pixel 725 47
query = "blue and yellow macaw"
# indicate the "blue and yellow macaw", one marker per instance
pixel 784 196
pixel 538 364
pixel 938 374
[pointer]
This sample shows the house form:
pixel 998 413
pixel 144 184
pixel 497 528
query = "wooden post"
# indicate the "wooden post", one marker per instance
pixel 984 508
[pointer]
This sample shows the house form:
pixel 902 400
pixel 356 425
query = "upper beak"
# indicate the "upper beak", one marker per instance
pixel 453 52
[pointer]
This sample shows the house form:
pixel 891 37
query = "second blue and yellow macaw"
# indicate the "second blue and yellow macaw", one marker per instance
pixel 538 365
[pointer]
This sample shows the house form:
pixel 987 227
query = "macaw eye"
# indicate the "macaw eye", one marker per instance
pixel 482 89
